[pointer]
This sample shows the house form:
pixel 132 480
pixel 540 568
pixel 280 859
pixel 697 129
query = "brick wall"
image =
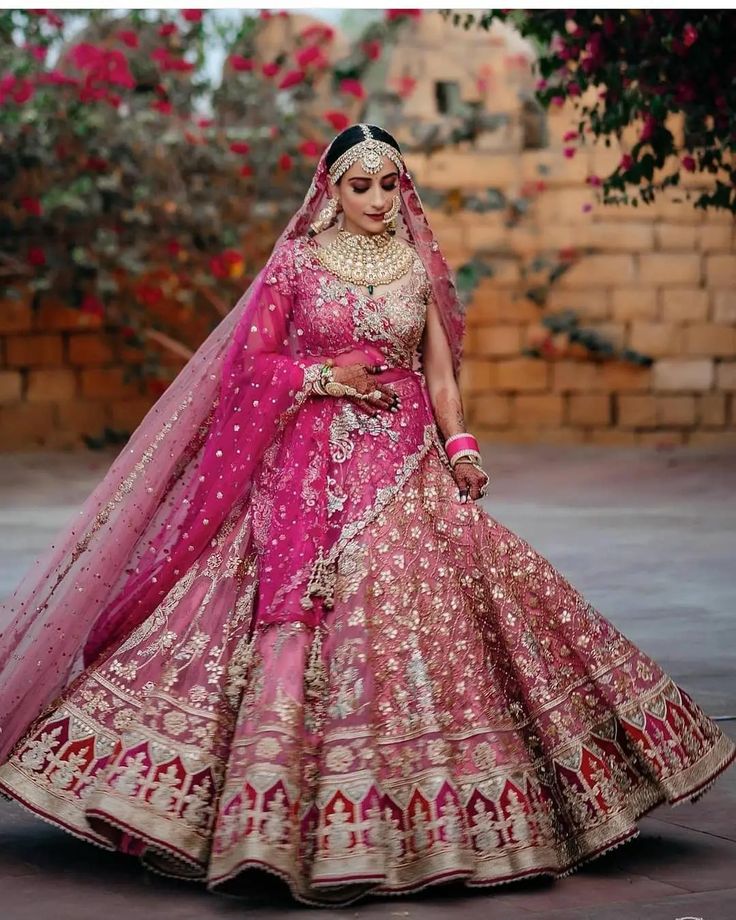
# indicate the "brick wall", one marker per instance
pixel 61 377
pixel 660 280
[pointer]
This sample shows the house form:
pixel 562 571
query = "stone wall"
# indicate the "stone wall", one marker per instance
pixel 660 280
pixel 61 377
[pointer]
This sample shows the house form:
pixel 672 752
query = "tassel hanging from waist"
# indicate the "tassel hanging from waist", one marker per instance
pixel 239 667
pixel 321 582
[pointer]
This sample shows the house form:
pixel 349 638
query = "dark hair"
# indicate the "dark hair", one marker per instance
pixel 352 136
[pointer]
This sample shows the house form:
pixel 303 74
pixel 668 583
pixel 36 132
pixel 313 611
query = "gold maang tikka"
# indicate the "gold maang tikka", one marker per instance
pixel 370 152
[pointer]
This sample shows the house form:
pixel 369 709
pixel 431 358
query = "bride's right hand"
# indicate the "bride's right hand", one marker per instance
pixel 362 378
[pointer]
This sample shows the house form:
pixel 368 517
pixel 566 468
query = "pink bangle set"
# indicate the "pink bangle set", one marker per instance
pixel 462 446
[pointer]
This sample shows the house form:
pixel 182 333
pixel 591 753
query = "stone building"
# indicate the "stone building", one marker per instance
pixel 658 279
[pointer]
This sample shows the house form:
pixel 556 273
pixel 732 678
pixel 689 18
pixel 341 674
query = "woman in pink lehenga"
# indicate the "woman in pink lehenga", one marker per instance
pixel 282 635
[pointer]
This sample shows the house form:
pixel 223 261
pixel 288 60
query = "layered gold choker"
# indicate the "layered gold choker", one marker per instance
pixel 368 259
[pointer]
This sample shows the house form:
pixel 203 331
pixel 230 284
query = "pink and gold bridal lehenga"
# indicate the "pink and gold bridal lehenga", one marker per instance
pixel 339 674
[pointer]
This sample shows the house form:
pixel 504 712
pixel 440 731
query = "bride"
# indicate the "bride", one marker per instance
pixel 282 635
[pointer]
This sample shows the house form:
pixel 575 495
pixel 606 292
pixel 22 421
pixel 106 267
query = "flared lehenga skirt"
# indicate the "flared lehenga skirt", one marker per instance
pixel 461 713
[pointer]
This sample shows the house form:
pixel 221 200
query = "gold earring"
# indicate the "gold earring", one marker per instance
pixel 389 218
pixel 325 217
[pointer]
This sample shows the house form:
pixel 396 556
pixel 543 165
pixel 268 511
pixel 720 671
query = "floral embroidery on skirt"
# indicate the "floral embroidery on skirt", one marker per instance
pixel 461 712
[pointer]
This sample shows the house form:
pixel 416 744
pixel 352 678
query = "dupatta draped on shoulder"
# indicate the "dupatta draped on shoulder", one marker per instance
pixel 193 457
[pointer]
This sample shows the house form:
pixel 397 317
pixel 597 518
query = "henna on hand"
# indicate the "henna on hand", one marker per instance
pixel 469 479
pixel 448 410
pixel 360 377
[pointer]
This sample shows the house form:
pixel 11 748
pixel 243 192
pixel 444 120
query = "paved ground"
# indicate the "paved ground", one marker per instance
pixel 648 536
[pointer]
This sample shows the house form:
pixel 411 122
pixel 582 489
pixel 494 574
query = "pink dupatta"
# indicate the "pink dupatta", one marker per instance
pixel 194 456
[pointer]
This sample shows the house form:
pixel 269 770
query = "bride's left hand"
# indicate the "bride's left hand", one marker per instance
pixel 470 480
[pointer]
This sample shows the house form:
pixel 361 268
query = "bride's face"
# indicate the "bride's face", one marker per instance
pixel 361 194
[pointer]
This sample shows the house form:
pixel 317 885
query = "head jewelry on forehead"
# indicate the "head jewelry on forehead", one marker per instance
pixel 369 152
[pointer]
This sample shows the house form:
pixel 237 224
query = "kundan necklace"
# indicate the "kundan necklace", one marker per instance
pixel 368 259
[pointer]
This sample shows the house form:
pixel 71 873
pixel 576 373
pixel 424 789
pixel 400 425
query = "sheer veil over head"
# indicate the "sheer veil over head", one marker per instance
pixel 191 460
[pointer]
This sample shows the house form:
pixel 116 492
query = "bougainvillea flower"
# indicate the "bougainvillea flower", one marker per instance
pixel 240 63
pixel 149 294
pixel 36 256
pixel 352 88
pixel 23 91
pixel 177 65
pixel 650 125
pixel 56 77
pixel 96 163
pixel 372 49
pixel 291 78
pixel 310 31
pixel 310 148
pixel 36 51
pixel 405 86
pixel 128 37
pixel 397 14
pixel 192 15
pixel 338 120
pixel 31 206
pixel 234 263
pixel 102 65
pixel 285 161
pixel 270 69
pixel 171 62
pixel 307 55
pixel 92 305
pixel 689 35
pixel 227 264
pixel 240 147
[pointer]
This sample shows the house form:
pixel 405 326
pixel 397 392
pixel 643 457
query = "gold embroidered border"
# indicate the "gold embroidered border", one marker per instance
pixel 479 871
pixel 508 864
